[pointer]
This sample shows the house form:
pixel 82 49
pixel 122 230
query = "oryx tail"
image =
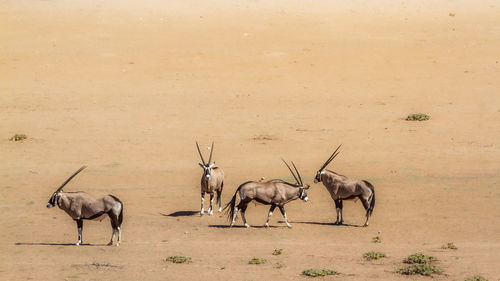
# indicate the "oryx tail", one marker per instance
pixel 232 204
pixel 369 211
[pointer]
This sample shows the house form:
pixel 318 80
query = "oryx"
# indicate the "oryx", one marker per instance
pixel 212 181
pixel 81 206
pixel 274 192
pixel 341 188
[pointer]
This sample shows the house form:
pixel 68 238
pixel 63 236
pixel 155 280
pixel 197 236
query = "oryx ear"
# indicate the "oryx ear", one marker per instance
pixel 306 187
pixel 201 165
pixel 211 165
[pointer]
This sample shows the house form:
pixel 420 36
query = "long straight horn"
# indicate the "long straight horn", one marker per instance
pixel 298 174
pixel 211 150
pixel 298 182
pixel 70 178
pixel 330 158
pixel 202 160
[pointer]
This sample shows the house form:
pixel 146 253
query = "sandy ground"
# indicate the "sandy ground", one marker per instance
pixel 127 89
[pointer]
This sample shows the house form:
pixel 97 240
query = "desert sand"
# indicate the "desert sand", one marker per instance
pixel 127 87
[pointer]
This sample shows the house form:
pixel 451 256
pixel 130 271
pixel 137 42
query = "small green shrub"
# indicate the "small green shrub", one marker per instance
pixel 277 252
pixel 417 117
pixel 377 239
pixel 449 245
pixel 419 258
pixel 476 278
pixel 257 261
pixel 18 137
pixel 374 255
pixel 313 272
pixel 279 265
pixel 179 259
pixel 422 269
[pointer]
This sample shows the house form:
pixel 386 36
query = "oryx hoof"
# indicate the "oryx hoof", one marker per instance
pixel 288 225
pixel 202 213
pixel 220 209
pixel 247 225
pixel 266 225
pixel 210 213
pixel 117 244
pixel 110 243
pixel 78 243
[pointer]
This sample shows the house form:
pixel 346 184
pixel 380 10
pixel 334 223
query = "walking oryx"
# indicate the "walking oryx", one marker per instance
pixel 341 188
pixel 211 180
pixel 273 192
pixel 81 206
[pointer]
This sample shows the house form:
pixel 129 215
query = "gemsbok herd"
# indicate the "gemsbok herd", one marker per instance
pixel 277 192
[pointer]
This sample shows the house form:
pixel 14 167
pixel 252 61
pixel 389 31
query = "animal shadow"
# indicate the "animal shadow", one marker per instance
pixel 56 244
pixel 242 226
pixel 181 214
pixel 324 223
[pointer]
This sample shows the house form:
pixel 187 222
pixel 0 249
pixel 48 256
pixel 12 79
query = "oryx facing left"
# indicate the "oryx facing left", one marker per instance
pixel 212 181
pixel 81 206
pixel 341 188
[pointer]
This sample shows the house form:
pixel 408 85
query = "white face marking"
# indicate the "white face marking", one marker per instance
pixel 305 199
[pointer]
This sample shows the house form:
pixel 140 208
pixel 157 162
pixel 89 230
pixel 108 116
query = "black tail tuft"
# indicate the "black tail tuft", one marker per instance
pixel 369 211
pixel 232 204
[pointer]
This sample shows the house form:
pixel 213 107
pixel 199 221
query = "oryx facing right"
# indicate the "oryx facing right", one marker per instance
pixel 274 192
pixel 212 181
pixel 81 206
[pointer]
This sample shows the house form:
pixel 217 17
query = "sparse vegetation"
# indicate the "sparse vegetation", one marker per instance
pixel 18 137
pixel 279 265
pixel 257 261
pixel 374 255
pixel 313 272
pixel 179 259
pixel 377 239
pixel 277 252
pixel 476 278
pixel 419 258
pixel 417 117
pixel 449 245
pixel 422 269
pixel 420 264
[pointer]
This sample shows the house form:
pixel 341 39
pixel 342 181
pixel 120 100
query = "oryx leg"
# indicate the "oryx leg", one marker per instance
pixel 341 211
pixel 202 212
pixel 219 198
pixel 242 211
pixel 210 210
pixel 235 213
pixel 79 224
pixel 114 224
pixel 338 208
pixel 282 209
pixel 273 206
pixel 119 236
pixel 366 205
